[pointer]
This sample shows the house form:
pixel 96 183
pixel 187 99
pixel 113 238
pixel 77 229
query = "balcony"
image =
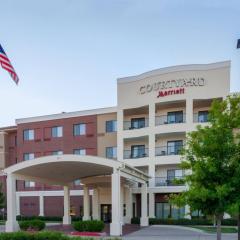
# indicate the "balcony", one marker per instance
pixel 168 181
pixel 167 119
pixel 132 154
pixel 135 124
pixel 168 150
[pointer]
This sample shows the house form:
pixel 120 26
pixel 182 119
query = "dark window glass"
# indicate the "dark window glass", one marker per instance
pixel 137 123
pixel 79 129
pixel 138 151
pixel 175 117
pixel 111 152
pixel 111 126
pixel 174 147
pixel 203 116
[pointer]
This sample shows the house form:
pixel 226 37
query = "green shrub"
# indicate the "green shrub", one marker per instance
pixel 42 236
pixel 135 220
pixel 46 218
pixel 36 225
pixel 89 226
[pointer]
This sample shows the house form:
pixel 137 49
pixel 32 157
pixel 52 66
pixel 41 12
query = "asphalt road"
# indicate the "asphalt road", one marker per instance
pixel 174 233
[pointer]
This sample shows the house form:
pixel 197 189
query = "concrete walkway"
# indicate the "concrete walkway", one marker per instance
pixel 163 232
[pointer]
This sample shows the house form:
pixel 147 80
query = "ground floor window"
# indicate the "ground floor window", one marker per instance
pixel 167 210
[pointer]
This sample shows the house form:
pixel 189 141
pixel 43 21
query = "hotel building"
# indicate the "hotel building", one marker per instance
pixel 112 163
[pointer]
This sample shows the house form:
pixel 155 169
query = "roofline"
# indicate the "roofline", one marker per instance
pixel 96 111
pixel 8 128
pixel 178 68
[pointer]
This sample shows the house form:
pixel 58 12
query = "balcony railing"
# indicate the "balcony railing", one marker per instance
pixel 128 154
pixel 168 181
pixel 168 150
pixel 199 118
pixel 129 125
pixel 165 119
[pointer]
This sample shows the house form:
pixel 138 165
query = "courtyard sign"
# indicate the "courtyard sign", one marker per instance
pixel 178 83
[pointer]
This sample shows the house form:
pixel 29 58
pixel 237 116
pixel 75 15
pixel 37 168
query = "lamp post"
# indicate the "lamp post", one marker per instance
pixel 238 43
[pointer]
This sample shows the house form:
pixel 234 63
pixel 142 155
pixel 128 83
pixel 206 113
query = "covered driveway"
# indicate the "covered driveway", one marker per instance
pixel 63 170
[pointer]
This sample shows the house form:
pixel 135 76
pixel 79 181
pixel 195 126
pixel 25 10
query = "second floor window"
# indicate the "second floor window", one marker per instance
pixel 28 156
pixel 138 151
pixel 79 151
pixel 28 184
pixel 111 126
pixel 28 134
pixel 111 152
pixel 174 174
pixel 79 129
pixel 57 131
pixel 174 147
pixel 57 152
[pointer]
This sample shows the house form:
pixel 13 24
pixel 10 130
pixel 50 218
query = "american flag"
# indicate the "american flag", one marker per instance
pixel 6 64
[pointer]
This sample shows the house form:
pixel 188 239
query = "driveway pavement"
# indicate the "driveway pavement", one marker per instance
pixel 163 232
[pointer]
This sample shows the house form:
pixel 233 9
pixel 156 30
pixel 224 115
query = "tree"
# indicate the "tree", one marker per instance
pixel 2 199
pixel 208 158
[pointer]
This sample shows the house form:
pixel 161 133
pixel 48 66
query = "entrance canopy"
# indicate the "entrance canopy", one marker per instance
pixel 64 169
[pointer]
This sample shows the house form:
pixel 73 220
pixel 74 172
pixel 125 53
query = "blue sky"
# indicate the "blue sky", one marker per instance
pixel 69 53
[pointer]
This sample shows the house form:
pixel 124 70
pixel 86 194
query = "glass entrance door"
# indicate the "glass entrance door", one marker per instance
pixel 106 213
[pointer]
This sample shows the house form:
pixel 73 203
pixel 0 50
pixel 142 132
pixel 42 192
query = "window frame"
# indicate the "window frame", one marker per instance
pixel 26 137
pixel 57 132
pixel 75 132
pixel 112 128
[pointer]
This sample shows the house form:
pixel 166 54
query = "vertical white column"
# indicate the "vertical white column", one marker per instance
pixel 116 226
pixel 144 216
pixel 129 204
pixel 151 205
pixel 120 135
pixel 189 111
pixel 95 204
pixel 18 205
pixel 41 205
pixel 86 203
pixel 66 217
pixel 151 166
pixel 11 224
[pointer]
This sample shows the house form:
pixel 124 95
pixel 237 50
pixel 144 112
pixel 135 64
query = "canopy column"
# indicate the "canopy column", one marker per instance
pixel 11 224
pixel 144 215
pixel 66 217
pixel 116 226
pixel 86 203
pixel 95 204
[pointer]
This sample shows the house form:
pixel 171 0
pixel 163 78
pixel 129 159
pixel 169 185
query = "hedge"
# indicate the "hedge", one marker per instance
pixel 184 221
pixel 46 218
pixel 42 236
pixel 36 225
pixel 89 226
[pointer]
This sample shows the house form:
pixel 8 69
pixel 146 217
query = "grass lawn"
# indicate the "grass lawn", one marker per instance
pixel 212 229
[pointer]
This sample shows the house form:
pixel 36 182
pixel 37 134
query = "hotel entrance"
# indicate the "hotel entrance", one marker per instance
pixel 106 213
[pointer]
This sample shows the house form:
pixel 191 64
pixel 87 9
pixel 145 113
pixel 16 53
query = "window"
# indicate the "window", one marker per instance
pixel 57 152
pixel 57 132
pixel 138 151
pixel 111 126
pixel 203 116
pixel 166 210
pixel 28 156
pixel 29 184
pixel 111 152
pixel 28 135
pixel 174 147
pixel 174 174
pixel 79 151
pixel 175 117
pixel 79 129
pixel 137 123
pixel 77 182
